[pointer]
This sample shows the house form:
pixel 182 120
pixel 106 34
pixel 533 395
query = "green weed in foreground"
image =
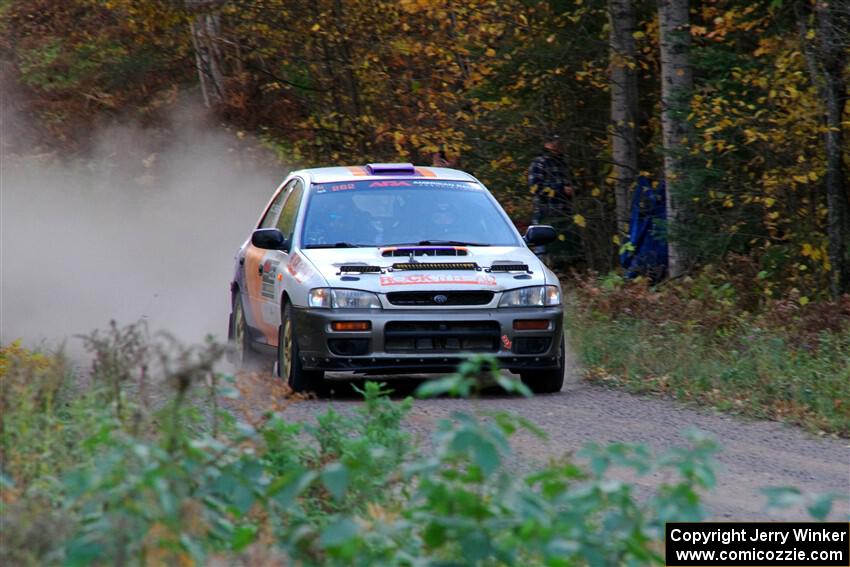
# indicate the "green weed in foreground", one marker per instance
pixel 712 352
pixel 165 483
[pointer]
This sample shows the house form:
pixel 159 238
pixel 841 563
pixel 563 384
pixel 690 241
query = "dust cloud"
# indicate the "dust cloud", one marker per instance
pixel 144 227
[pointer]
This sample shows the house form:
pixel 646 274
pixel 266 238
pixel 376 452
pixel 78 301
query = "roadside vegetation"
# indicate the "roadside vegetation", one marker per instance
pixel 721 339
pixel 146 462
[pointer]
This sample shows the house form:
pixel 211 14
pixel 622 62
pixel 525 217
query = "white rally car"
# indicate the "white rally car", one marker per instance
pixel 394 269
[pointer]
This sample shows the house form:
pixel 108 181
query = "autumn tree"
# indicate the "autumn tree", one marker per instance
pixel 676 90
pixel 84 61
pixel 205 28
pixel 824 30
pixel 624 100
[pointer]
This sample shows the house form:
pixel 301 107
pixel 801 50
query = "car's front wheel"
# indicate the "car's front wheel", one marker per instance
pixel 289 361
pixel 550 380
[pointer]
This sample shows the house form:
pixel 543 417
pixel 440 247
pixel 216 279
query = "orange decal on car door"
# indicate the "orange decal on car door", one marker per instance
pixel 254 258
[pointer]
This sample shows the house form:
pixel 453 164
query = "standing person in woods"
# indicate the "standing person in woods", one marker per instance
pixel 440 159
pixel 550 181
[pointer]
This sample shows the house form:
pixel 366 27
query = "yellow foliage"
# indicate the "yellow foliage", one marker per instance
pixel 15 354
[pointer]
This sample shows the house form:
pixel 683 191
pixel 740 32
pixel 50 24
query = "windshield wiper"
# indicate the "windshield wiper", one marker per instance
pixel 335 245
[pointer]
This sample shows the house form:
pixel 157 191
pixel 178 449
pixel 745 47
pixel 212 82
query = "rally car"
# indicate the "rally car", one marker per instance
pixel 394 269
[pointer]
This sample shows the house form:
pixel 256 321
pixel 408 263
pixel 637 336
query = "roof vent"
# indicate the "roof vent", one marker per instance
pixel 390 169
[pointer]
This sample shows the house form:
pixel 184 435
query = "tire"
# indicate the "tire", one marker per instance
pixel 288 360
pixel 242 355
pixel 549 380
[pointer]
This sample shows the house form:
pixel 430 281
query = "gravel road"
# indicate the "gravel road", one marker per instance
pixel 755 454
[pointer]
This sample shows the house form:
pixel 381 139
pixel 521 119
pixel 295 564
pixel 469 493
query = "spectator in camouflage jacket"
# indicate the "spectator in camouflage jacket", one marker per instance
pixel 550 181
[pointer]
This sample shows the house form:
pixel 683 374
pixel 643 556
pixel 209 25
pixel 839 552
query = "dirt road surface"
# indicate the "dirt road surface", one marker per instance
pixel 754 455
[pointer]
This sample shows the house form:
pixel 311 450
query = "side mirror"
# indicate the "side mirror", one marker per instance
pixel 538 234
pixel 269 239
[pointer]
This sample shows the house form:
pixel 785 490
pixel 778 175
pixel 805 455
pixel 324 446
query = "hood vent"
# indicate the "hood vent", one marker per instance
pixel 424 251
pixel 359 269
pixel 509 267
pixel 422 266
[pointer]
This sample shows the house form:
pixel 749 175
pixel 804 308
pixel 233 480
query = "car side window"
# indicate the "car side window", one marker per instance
pixel 271 216
pixel 286 222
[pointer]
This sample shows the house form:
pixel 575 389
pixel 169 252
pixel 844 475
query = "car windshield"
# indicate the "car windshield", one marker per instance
pixel 403 212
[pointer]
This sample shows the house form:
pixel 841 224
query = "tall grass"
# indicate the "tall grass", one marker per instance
pixel 706 348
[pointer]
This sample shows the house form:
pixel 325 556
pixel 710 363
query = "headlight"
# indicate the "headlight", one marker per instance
pixel 326 297
pixel 538 296
pixel 320 297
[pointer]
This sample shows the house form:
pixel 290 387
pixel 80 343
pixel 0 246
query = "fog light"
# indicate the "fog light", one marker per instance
pixel 531 324
pixel 351 325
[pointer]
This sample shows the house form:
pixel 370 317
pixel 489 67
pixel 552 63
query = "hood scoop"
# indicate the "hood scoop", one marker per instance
pixel 421 266
pixel 424 251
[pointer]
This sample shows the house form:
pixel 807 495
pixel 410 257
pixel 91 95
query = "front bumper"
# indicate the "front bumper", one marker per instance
pixel 427 340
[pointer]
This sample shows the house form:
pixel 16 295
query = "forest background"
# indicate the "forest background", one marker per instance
pixel 753 96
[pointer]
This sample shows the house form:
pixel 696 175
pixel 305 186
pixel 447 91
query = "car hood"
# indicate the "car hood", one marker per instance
pixel 339 267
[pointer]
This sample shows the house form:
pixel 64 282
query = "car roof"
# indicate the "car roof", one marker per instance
pixel 363 173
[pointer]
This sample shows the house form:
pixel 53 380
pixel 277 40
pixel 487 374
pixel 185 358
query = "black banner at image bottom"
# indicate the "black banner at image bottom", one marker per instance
pixel 762 544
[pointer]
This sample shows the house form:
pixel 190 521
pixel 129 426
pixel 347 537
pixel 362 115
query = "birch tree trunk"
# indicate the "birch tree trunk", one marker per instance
pixel 623 83
pixel 676 92
pixel 206 29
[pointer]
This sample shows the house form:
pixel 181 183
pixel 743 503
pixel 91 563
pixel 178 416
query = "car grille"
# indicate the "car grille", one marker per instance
pixel 441 336
pixel 440 298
